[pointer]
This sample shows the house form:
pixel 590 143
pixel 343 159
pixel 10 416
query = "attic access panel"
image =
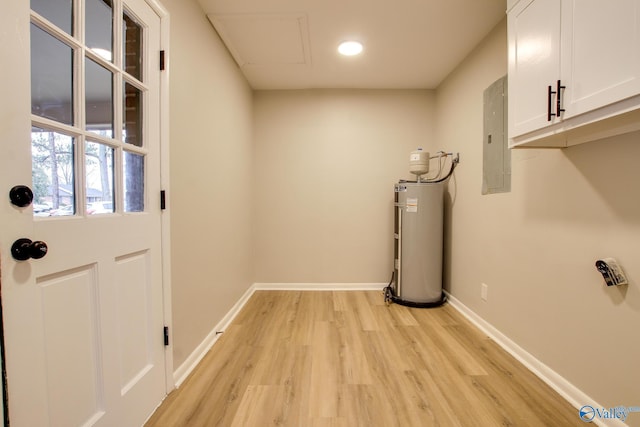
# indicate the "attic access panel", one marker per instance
pixel 264 39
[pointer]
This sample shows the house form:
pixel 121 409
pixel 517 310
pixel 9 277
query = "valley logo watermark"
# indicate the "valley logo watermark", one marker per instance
pixel 589 413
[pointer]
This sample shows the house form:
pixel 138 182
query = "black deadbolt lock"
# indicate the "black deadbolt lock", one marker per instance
pixel 21 196
pixel 23 249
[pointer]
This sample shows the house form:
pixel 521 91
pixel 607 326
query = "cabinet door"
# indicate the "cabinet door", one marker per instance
pixel 601 53
pixel 534 62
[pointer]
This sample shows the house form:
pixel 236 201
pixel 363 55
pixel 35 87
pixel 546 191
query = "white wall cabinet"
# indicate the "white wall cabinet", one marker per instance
pixel 533 28
pixel 574 70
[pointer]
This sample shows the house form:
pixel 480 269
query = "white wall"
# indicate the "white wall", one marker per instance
pixel 210 197
pixel 536 246
pixel 325 163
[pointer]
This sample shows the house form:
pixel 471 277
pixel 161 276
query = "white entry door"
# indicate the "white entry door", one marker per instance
pixel 80 126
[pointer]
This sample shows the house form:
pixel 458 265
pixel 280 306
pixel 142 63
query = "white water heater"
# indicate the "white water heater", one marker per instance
pixel 419 234
pixel 418 249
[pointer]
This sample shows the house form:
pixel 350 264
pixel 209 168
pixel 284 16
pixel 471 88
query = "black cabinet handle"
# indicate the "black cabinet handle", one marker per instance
pixel 550 93
pixel 559 89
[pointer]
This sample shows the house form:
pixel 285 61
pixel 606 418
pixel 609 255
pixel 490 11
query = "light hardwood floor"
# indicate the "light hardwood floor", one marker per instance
pixel 344 359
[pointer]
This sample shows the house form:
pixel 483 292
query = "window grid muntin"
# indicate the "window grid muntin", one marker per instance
pixel 78 130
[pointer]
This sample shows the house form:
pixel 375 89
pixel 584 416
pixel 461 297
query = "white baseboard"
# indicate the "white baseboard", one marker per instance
pixel 201 350
pixel 319 286
pixel 568 391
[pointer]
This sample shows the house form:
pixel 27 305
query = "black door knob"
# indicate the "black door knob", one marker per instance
pixel 21 196
pixel 23 249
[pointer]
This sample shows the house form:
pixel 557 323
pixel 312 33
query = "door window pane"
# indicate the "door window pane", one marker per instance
pixel 99 99
pixel 59 12
pixel 133 182
pixel 99 27
pixel 51 77
pixel 55 76
pixel 99 178
pixel 132 48
pixel 52 156
pixel 132 126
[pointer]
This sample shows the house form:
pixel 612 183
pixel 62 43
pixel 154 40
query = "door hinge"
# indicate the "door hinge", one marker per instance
pixel 166 335
pixel 163 200
pixel 162 60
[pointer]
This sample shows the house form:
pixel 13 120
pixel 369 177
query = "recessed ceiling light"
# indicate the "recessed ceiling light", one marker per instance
pixel 350 48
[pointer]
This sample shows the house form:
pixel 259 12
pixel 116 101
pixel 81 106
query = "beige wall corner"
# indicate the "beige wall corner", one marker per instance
pixel 211 155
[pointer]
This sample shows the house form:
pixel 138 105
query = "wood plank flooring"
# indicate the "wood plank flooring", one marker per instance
pixel 344 359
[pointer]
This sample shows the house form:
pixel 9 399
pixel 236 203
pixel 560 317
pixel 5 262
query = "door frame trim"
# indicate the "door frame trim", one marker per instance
pixel 165 215
pixel 4 402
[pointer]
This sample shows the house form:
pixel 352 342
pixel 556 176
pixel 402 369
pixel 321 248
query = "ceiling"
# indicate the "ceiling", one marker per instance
pixel 408 44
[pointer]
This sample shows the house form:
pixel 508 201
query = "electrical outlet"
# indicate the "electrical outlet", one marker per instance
pixel 484 290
